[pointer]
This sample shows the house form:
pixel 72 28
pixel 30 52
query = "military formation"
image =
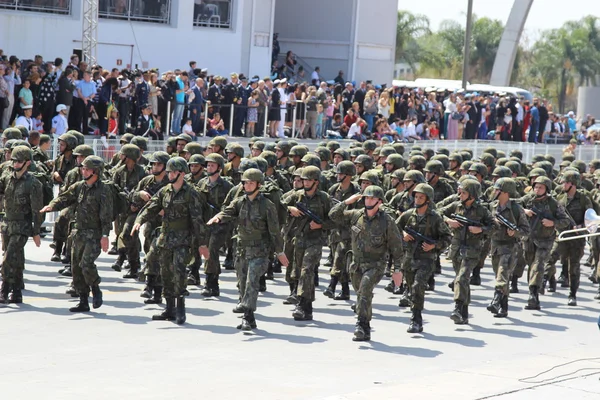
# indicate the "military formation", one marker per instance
pixel 382 214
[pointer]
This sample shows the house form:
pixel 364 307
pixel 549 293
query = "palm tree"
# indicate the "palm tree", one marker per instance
pixel 408 28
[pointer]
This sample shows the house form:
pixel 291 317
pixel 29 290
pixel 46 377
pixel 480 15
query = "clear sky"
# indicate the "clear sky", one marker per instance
pixel 544 14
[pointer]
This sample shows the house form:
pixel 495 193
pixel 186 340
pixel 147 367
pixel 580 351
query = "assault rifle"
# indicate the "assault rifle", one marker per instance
pixel 314 217
pixel 465 221
pixel 418 236
pixel 509 225
pixel 539 215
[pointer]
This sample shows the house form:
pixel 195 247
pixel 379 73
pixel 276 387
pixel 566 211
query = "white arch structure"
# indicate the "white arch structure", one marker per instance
pixel 507 50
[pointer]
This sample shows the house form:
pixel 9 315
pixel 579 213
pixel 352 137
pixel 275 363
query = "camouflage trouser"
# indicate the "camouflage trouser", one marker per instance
pixel 61 225
pixel 594 256
pixel 250 265
pixel 306 256
pixel 536 257
pixel 218 238
pixel 572 252
pixel 519 262
pixel 291 274
pixel 416 274
pixel 128 244
pixel 555 255
pixel 463 267
pixel 364 277
pixel 485 250
pixel 152 267
pixel 172 269
pixel 504 259
pixel 85 250
pixel 339 268
pixel 13 262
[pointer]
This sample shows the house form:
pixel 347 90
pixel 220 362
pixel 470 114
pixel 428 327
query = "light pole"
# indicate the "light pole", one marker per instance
pixel 467 52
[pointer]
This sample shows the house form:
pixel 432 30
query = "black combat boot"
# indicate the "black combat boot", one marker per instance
pixel 345 293
pixel 276 266
pixel 438 266
pixel 239 308
pixel 552 284
pixel 71 291
pixel 16 296
pixel 416 322
pixel 65 258
pixel 503 313
pixel 390 286
pixel 465 313
pixel 388 271
pixel 593 278
pixel 292 298
pixel 262 284
pixel 147 292
pixel 494 306
pixel 303 311
pixel 597 296
pixel 248 321
pixel 514 284
pixel 405 299
pixel 133 271
pixel 330 291
pixel 533 302
pixel 398 290
pixel 118 265
pixel 83 305
pixel 269 275
pixel 228 263
pixel 57 251
pixel 457 314
pixel 207 291
pixel 476 277
pixel 180 312
pixel 193 277
pixel 4 289
pixel 156 296
pixel 431 284
pixel 96 296
pixel 169 312
pixel 451 286
pixel 67 271
pixel 574 285
pixel 113 250
pixel 329 261
pixel 544 282
pixel 362 332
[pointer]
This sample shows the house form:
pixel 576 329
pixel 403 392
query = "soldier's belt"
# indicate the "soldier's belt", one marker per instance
pixel 16 217
pixel 176 225
pixel 369 259
pixel 256 242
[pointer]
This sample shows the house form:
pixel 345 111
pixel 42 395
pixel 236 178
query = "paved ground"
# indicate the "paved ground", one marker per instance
pixel 118 352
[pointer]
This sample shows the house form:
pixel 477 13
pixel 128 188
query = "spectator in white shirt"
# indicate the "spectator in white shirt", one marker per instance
pixel 59 122
pixel 410 132
pixel 25 119
pixel 355 131
pixel 315 78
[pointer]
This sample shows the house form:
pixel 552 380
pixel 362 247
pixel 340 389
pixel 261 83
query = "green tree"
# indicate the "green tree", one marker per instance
pixel 409 27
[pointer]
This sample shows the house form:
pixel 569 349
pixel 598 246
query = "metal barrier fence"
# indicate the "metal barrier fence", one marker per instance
pixel 46 6
pixel 158 11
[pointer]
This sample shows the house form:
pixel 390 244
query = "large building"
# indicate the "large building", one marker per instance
pixel 356 36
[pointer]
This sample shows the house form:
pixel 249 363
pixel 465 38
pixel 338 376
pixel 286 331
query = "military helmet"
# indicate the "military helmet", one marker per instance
pixel 343 153
pixel 172 142
pixel 369 145
pixel 177 164
pixel 93 162
pixel 399 147
pixel 261 163
pixel 247 163
pixel 160 157
pixel 456 157
pixel 444 151
pixel 550 158
pixel 21 142
pixel 193 148
pixel 270 146
pixel 546 166
pixel 131 151
pixel 140 142
pixel 293 143
pixel 443 159
pixel 395 159
pixel 356 151
pixel 374 191
pixel 253 140
pixel 285 147
pixel 500 154
pixel 21 153
pixel 387 151
pixel 487 159
pixel 417 161
pixel 184 136
pixel 516 153
pixel 332 145
pixel 435 167
pixel 466 165
pixel 429 153
pixel 536 172
pixel 216 158
pixel 365 160
pixel 466 156
pixel 480 169
pixel 126 138
pixel 253 175
pixel 514 166
pixel 502 172
pixel 568 157
pixel 415 176
pixel 399 174
pixel 565 164
pixel 370 176
pixel 323 153
pixel 595 164
pixel 70 140
pixel 544 181
pixel 311 159
pixel 507 185
pixel 78 135
pixel 424 189
pixel 298 151
pixel 218 141
pixel 258 145
pixel 416 147
pixel 472 187
pixel 44 139
pixel 537 158
pixel 12 133
pixel 311 172
pixel 236 149
pixel 270 157
pixel 569 176
pixel 467 178
pixel 580 165
pixel 197 159
pixel 297 173
pixel 9 144
pixel 501 162
pixel 491 150
pixel 83 150
pixel 346 167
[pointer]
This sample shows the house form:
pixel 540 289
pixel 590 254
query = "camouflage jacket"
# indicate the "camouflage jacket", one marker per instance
pixel 441 190
pixel 194 180
pixel 182 221
pixel 341 233
pixel 469 244
pixel 93 206
pixel 147 184
pixel 319 204
pixel 127 180
pixel 233 173
pixel 281 179
pixel 215 194
pixel 22 204
pixel 432 225
pixel 515 214
pixel 551 209
pixel 62 165
pixel 372 237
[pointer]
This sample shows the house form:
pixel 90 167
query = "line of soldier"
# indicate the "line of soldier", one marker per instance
pixel 379 214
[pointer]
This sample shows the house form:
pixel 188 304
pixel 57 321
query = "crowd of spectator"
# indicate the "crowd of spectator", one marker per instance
pixel 53 97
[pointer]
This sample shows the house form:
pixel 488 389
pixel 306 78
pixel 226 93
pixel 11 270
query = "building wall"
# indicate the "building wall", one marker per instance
pixel 163 46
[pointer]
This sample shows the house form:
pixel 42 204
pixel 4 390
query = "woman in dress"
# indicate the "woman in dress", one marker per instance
pixel 452 132
pixel 252 113
pixel 154 92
